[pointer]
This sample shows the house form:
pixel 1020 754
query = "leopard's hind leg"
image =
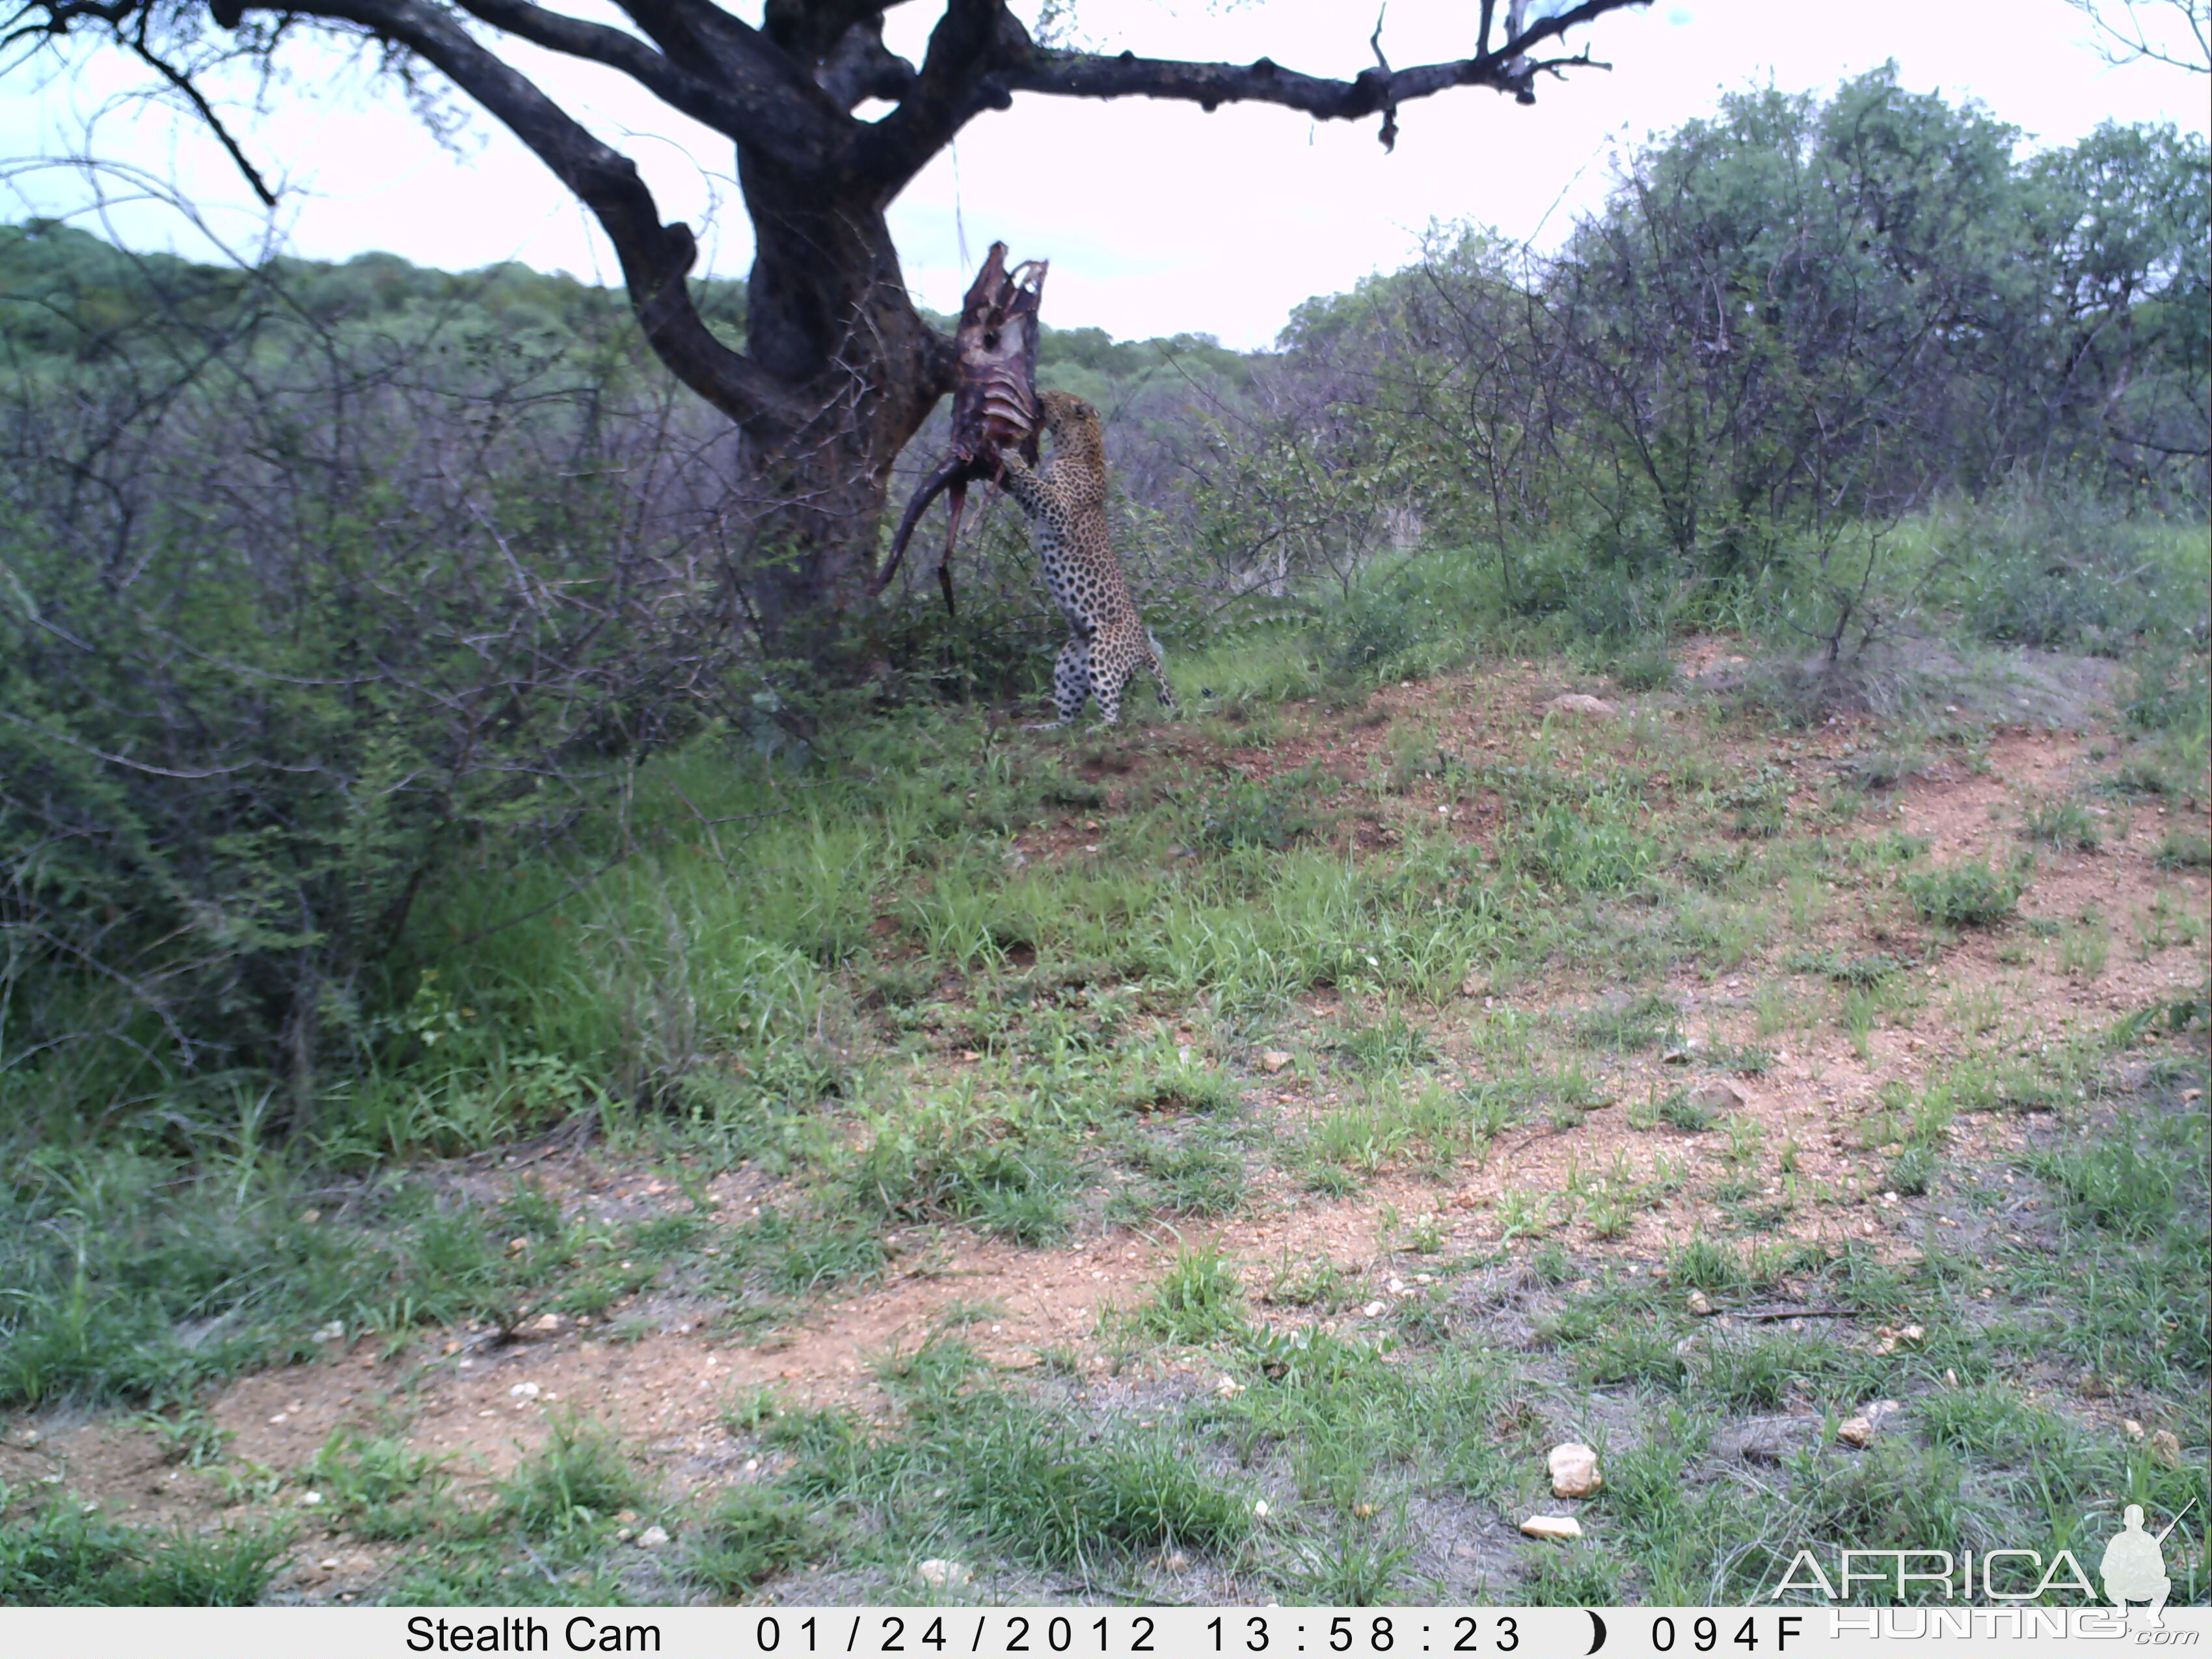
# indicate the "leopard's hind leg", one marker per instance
pixel 1109 679
pixel 1071 680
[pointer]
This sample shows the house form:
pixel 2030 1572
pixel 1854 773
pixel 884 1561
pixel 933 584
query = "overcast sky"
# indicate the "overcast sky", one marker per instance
pixel 1156 217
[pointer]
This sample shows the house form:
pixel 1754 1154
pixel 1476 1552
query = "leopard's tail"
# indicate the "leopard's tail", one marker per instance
pixel 1159 674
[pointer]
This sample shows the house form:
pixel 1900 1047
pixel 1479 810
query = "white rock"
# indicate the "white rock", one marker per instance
pixel 1374 1309
pixel 653 1538
pixel 524 1391
pixel 1552 1526
pixel 939 1575
pixel 1574 1471
pixel 333 1331
pixel 1272 1060
pixel 1699 1303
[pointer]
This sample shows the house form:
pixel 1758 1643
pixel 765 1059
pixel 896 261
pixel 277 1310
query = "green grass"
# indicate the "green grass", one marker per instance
pixel 1966 895
pixel 834 981
pixel 2065 825
pixel 379 1486
pixel 65 1557
pixel 577 1482
pixel 751 1535
pixel 1199 1301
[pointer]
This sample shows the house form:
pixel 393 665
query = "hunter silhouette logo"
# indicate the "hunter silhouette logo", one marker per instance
pixel 2134 1567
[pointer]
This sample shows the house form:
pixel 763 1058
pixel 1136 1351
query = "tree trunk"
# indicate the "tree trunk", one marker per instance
pixel 829 316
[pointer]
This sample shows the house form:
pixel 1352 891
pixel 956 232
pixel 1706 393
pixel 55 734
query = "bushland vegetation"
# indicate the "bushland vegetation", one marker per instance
pixel 393 769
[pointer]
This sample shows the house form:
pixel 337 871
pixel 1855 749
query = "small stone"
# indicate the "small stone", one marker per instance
pixel 1716 1097
pixel 1858 1431
pixel 941 1575
pixel 1581 706
pixel 625 1515
pixel 516 1245
pixel 1227 1387
pixel 1175 1561
pixel 1699 1303
pixel 1552 1526
pixel 2166 1448
pixel 1259 1508
pixel 526 1391
pixel 310 1498
pixel 1374 1309
pixel 1574 1471
pixel 2134 1429
pixel 622 1535
pixel 548 1323
pixel 333 1331
pixel 653 1538
pixel 1272 1060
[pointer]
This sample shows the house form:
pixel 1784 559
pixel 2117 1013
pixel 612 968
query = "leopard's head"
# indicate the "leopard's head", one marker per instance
pixel 1068 417
pixel 1076 435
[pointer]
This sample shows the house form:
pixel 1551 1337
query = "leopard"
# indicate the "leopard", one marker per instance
pixel 1066 502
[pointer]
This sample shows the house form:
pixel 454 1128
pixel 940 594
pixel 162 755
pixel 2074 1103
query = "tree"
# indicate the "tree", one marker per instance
pixel 838 370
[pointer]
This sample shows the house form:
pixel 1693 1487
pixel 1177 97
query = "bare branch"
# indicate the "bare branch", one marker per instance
pixel 183 82
pixel 1507 68
pixel 2132 42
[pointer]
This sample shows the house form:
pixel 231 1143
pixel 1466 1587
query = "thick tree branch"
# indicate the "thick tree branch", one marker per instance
pixel 861 66
pixel 1507 68
pixel 655 258
pixel 971 38
pixel 745 96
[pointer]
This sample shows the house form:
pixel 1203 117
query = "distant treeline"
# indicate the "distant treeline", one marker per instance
pixel 1788 319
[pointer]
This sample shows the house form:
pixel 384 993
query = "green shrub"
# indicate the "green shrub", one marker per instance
pixel 1966 895
pixel 279 645
pixel 69 1556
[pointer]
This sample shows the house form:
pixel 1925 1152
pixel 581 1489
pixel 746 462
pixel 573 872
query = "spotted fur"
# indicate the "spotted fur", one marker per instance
pixel 1066 502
